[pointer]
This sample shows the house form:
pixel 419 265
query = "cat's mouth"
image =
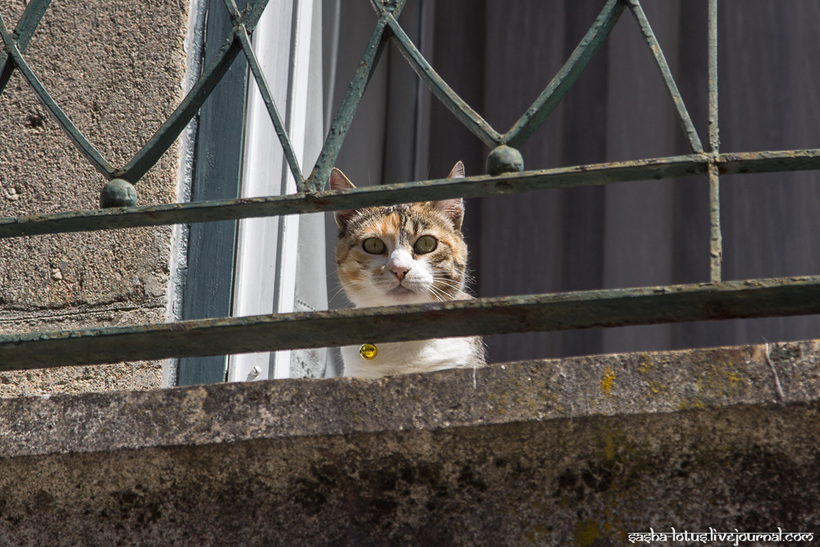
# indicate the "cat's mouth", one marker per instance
pixel 400 291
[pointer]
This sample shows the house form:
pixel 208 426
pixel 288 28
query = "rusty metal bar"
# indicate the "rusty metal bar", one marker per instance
pixel 546 312
pixel 471 119
pixel 79 140
pixel 276 119
pixel 179 213
pixel 566 77
pixel 716 236
pixel 485 185
pixel 738 163
pixel 165 136
pixel 24 29
pixel 348 107
pixel 714 129
pixel 660 60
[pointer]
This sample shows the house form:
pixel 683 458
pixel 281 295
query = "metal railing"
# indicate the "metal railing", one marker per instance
pixel 715 299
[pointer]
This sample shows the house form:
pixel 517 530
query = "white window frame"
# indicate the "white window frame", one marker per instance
pixel 267 251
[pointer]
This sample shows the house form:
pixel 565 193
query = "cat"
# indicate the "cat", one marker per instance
pixel 404 254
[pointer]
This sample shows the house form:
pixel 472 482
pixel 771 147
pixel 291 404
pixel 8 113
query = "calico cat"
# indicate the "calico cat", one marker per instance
pixel 404 254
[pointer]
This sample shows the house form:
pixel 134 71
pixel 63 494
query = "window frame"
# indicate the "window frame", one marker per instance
pixel 249 267
pixel 268 251
pixel 218 144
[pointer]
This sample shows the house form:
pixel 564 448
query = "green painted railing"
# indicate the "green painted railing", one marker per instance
pixel 716 299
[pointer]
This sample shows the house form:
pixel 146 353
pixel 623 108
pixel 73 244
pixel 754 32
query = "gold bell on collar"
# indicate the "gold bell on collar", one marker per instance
pixel 368 351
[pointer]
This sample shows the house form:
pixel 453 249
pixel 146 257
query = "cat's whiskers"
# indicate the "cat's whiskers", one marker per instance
pixel 438 294
pixel 352 284
pixel 336 292
pixel 442 281
pixel 440 286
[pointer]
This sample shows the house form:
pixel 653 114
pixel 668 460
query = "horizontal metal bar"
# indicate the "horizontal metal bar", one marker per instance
pixel 548 312
pixel 179 213
pixel 740 163
pixel 484 185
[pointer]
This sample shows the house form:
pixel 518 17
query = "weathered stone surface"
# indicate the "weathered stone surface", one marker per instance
pixel 577 451
pixel 118 71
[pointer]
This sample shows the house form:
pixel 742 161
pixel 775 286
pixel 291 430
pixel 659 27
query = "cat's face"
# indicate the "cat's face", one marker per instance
pixel 403 254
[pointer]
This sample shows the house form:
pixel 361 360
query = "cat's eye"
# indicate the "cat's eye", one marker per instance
pixel 373 245
pixel 425 244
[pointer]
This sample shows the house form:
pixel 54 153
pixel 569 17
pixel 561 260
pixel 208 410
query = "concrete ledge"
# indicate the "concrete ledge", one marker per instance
pixel 579 451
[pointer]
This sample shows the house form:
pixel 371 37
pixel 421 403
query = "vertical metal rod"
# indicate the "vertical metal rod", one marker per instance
pixel 714 132
pixel 716 237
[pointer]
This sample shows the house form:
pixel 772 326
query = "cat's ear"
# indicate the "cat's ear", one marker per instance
pixel 453 209
pixel 457 171
pixel 338 181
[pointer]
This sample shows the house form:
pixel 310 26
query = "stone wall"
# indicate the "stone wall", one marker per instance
pixel 579 451
pixel 118 70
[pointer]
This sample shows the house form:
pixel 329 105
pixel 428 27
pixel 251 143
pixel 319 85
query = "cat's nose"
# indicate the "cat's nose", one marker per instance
pixel 399 270
pixel 399 262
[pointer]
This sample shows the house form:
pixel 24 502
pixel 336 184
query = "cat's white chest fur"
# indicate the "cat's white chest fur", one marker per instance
pixel 406 357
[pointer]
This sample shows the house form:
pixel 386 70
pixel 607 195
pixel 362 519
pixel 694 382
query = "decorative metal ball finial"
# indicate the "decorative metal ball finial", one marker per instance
pixel 118 193
pixel 504 159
